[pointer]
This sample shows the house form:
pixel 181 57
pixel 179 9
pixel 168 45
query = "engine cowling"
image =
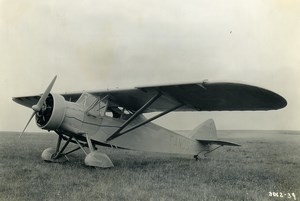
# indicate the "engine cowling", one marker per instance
pixel 52 113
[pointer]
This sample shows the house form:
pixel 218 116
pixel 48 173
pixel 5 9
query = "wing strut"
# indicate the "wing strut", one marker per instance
pixel 135 115
pixel 143 108
pixel 152 118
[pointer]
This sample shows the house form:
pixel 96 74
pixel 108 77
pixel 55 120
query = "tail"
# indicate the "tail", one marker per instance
pixel 206 133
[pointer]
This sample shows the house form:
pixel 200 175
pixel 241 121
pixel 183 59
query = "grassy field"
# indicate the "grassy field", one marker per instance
pixel 266 162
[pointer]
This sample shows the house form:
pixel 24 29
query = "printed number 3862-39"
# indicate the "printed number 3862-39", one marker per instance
pixel 283 195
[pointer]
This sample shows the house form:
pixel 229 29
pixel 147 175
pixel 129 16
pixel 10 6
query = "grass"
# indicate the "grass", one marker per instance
pixel 266 162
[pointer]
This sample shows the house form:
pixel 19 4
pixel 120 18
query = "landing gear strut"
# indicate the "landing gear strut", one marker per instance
pixel 94 158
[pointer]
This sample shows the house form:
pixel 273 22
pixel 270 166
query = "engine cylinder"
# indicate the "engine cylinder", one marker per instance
pixel 52 113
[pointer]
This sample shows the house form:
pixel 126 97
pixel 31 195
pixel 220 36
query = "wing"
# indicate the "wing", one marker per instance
pixel 204 96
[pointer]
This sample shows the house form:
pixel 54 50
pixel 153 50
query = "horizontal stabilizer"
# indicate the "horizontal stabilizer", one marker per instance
pixel 217 142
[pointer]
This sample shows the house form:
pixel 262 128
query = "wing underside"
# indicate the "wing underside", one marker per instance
pixel 193 97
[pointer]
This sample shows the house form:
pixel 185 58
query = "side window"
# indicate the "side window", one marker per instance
pixel 108 113
pixel 120 113
pixel 102 108
pixel 86 100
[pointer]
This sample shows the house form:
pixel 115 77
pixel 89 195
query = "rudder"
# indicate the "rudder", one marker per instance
pixel 205 131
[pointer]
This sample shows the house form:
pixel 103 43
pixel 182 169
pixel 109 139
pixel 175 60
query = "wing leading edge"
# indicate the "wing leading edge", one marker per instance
pixel 194 97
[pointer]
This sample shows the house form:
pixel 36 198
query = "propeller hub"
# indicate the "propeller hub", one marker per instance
pixel 36 108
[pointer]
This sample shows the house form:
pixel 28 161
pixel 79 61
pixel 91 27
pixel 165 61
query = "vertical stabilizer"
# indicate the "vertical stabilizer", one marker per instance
pixel 205 131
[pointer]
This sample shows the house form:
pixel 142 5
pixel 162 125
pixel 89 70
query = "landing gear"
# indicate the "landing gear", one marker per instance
pixel 51 155
pixel 48 156
pixel 199 156
pixel 97 159
pixel 205 154
pixel 94 158
pixel 196 157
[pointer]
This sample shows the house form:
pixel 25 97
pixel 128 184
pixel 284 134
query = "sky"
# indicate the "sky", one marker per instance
pixel 96 44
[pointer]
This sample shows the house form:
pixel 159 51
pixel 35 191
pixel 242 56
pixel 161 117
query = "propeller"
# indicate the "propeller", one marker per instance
pixel 38 107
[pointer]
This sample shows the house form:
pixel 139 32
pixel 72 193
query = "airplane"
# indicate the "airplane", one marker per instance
pixel 115 118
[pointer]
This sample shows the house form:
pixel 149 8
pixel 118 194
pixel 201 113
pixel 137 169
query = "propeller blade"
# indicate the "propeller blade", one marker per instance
pixel 34 112
pixel 39 105
pixel 36 108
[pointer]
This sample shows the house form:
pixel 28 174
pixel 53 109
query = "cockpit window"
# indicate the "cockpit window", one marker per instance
pixel 94 106
pixel 120 113
pixel 98 107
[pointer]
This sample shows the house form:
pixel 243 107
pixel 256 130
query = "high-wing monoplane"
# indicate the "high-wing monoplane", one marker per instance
pixel 115 118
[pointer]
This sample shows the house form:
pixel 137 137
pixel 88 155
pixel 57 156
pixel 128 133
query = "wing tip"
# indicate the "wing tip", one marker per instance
pixel 282 102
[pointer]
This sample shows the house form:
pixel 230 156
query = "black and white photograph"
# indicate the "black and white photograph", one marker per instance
pixel 149 100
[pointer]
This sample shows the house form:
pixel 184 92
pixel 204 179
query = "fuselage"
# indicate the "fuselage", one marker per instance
pixel 90 115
